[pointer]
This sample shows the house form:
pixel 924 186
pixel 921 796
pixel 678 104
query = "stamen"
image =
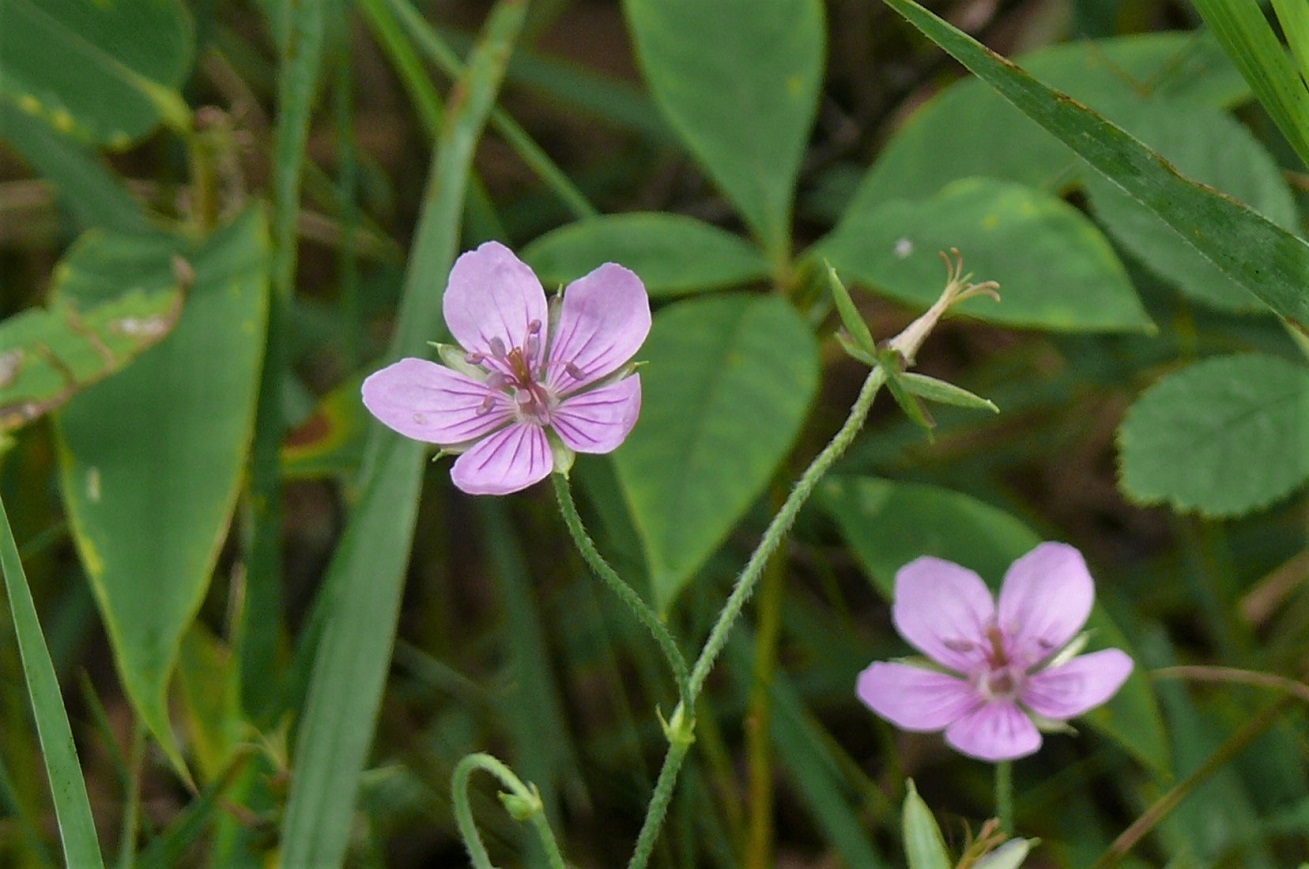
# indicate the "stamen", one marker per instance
pixel 497 347
pixel 474 358
pixel 487 404
pixel 496 380
pixel 573 371
pixel 959 645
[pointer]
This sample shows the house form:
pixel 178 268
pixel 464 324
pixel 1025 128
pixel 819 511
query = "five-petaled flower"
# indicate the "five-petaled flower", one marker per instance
pixel 534 381
pixel 998 673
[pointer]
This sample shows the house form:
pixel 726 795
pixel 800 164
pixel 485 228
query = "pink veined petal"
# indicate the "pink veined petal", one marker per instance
pixel 913 698
pixel 493 294
pixel 508 461
pixel 429 402
pixel 994 731
pixel 598 420
pixel 1045 600
pixel 603 320
pixel 943 610
pixel 1078 686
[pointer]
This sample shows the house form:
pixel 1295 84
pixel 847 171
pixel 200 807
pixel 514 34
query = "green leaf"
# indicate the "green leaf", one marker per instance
pixel 67 786
pixel 1224 436
pixel 924 846
pixel 151 460
pixel 356 615
pixel 728 384
pixel 1261 256
pixel 53 353
pixel 1055 269
pixel 1242 28
pixel 739 81
pixel 671 253
pixel 106 72
pixel 888 524
pixel 940 141
pixel 94 195
pixel 1209 147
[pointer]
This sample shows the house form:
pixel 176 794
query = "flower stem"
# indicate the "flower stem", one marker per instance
pixel 522 801
pixel 741 591
pixel 1004 794
pixel 625 593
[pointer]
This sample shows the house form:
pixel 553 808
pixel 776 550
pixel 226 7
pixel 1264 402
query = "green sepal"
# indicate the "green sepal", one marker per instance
pixel 563 454
pixel 522 808
pixel 859 341
pixel 455 357
pixel 893 363
pixel 853 349
pixel 941 392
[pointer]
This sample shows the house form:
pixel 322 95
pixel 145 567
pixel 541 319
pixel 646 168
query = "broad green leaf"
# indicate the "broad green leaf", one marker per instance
pixel 67 786
pixel 1055 269
pixel 739 81
pixel 1261 256
pixel 1244 31
pixel 924 847
pixel 151 460
pixel 670 252
pixel 356 615
pixel 888 524
pixel 51 354
pixel 1224 436
pixel 728 382
pixel 1209 147
pixel 94 195
pixel 105 72
pixel 329 442
pixel 955 134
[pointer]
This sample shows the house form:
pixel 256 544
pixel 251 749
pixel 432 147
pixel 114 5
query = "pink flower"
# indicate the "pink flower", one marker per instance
pixel 534 382
pixel 996 672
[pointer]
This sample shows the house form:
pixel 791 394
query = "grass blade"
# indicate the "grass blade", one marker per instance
pixel 367 574
pixel 68 788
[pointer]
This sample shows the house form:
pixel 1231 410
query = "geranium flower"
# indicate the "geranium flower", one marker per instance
pixel 533 382
pixel 997 674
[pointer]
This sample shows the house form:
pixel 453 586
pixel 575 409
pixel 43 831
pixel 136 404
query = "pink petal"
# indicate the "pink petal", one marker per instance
pixel 493 294
pixel 1045 600
pixel 994 731
pixel 1082 684
pixel 508 461
pixel 429 402
pixel 598 420
pixel 913 698
pixel 603 321
pixel 944 610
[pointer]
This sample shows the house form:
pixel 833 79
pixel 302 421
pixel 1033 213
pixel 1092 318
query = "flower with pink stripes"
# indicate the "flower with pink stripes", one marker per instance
pixel 533 382
pixel 998 674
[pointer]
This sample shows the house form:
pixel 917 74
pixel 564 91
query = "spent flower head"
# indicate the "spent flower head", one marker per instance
pixel 533 382
pixel 998 672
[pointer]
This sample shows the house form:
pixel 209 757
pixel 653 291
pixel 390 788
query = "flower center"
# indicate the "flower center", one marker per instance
pixel 1001 678
pixel 516 373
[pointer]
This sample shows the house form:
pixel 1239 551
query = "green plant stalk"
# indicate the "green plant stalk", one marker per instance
pixel 67 786
pixel 759 718
pixel 299 61
pixel 624 592
pixel 1235 744
pixel 523 144
pixel 132 799
pixel 1004 794
pixel 528 801
pixel 347 187
pixel 681 726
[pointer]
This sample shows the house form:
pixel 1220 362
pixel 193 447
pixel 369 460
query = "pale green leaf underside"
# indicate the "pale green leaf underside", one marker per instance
pixel 1055 268
pixel 671 253
pixel 1222 437
pixel 728 382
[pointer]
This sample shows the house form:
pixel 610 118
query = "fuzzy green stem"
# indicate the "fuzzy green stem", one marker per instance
pixel 625 593
pixel 745 585
pixel 1004 794
pixel 526 807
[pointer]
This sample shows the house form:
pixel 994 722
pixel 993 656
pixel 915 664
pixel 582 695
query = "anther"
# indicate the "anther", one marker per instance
pixel 497 347
pixel 474 358
pixel 487 404
pixel 573 371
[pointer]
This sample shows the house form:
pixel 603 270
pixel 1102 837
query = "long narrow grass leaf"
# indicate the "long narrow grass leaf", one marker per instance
pixel 1261 256
pixel 67 786
pixel 367 574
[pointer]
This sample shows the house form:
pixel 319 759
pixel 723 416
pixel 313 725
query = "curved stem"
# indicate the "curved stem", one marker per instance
pixel 523 803
pixel 625 593
pixel 681 724
pixel 1004 794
